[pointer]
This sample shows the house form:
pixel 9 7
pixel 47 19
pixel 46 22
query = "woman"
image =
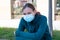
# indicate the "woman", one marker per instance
pixel 34 23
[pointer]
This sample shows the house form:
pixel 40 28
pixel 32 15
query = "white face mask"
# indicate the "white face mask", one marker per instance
pixel 28 17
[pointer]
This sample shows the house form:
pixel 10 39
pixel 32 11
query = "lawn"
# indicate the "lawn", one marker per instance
pixel 56 35
pixel 8 33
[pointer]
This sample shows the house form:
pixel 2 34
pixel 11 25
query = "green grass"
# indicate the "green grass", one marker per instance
pixel 56 35
pixel 8 33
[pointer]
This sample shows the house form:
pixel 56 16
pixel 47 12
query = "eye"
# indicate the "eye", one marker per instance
pixel 24 13
pixel 29 13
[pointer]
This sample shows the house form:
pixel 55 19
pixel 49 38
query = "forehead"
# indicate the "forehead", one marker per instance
pixel 27 9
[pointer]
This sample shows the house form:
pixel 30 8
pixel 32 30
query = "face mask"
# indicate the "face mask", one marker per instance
pixel 28 18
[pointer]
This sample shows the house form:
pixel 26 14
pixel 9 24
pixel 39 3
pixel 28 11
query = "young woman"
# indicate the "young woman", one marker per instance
pixel 34 23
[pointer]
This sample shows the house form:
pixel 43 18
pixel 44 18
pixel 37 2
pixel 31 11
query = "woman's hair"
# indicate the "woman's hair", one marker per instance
pixel 28 5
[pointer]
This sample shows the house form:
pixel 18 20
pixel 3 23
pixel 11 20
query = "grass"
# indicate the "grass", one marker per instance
pixel 8 33
pixel 56 35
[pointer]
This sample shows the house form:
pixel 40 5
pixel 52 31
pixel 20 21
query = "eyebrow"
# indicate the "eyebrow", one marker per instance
pixel 27 13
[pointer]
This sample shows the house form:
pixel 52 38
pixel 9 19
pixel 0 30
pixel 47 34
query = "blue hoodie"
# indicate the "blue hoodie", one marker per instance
pixel 36 29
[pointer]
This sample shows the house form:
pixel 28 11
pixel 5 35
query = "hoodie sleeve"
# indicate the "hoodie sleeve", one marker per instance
pixel 39 34
pixel 20 28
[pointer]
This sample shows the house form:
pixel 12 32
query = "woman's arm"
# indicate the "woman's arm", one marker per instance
pixel 22 38
pixel 39 34
pixel 20 27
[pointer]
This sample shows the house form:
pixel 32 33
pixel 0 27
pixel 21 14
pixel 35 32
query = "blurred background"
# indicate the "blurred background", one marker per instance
pixel 10 15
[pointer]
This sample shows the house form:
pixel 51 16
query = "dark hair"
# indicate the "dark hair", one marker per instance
pixel 28 5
